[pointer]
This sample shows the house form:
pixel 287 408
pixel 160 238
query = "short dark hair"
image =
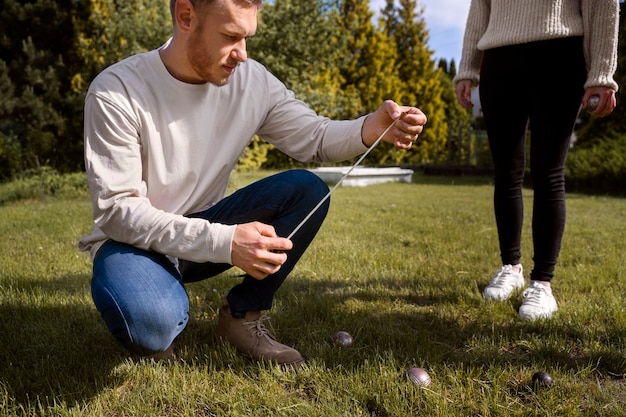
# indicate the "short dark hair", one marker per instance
pixel 200 4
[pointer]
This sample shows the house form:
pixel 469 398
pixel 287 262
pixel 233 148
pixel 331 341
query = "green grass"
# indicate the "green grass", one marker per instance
pixel 399 266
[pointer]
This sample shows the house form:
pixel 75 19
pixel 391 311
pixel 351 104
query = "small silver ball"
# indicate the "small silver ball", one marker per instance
pixel 419 376
pixel 342 339
pixel 593 103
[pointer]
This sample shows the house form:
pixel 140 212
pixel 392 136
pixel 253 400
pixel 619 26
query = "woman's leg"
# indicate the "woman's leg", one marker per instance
pixel 504 101
pixel 555 108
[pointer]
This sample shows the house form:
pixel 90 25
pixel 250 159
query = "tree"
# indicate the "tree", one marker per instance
pixel 367 66
pixel 107 31
pixel 299 42
pixel 33 55
pixel 49 52
pixel 421 83
pixel 287 43
pixel 110 30
pixel 10 149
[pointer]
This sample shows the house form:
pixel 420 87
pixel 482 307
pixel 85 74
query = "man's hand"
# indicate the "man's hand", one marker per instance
pixel 403 134
pixel 257 250
pixel 607 100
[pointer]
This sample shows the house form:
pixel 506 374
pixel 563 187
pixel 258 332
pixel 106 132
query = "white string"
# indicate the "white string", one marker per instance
pixel 343 178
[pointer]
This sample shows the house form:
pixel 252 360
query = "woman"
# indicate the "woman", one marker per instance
pixel 536 62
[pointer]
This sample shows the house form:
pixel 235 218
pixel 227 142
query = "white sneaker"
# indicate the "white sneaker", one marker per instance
pixel 538 302
pixel 503 283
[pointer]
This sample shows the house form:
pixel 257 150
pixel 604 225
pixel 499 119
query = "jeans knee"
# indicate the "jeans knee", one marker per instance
pixel 312 186
pixel 158 337
pixel 144 328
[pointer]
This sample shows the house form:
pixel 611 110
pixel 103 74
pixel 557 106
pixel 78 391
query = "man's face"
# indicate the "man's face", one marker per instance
pixel 217 42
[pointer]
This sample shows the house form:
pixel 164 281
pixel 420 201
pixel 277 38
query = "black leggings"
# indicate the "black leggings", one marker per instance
pixel 538 86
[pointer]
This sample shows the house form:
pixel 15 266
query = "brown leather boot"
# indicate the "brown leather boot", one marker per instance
pixel 166 356
pixel 250 337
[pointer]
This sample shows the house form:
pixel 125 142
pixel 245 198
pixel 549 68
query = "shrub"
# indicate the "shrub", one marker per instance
pixel 254 156
pixel 43 182
pixel 599 168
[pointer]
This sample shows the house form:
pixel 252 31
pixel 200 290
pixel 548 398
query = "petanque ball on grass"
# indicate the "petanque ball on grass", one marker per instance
pixel 542 379
pixel 342 339
pixel 419 376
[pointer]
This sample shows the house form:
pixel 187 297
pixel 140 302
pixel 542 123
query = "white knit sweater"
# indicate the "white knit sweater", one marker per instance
pixel 496 23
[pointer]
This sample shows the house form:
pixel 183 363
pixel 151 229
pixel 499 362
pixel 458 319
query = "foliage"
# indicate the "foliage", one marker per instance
pixel 615 123
pixel 367 60
pixel 598 167
pixel 41 183
pixel 420 83
pixel 254 156
pixel 49 51
pixel 33 57
pixel 337 56
pixel 357 67
pixel 284 45
pixel 115 29
pixel 459 136
pixel 399 266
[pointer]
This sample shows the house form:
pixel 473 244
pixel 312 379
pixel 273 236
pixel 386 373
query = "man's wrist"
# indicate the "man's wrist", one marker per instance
pixel 363 132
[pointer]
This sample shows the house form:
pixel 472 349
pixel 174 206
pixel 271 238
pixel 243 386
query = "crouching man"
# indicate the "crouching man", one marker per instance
pixel 163 131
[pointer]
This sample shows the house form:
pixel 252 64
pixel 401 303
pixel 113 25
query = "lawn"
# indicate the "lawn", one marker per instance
pixel 399 266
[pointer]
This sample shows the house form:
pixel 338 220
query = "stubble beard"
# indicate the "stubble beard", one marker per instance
pixel 202 61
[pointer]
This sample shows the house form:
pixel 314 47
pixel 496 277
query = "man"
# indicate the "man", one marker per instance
pixel 163 131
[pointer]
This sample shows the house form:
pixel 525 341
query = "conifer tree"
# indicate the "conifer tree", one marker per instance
pixel 452 69
pixel 421 84
pixel 359 50
pixel 299 41
pixel 381 81
pixel 49 52
pixel 106 31
pixel 33 54
pixel 10 149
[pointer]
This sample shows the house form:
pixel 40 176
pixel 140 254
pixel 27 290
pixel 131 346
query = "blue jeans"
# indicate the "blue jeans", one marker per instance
pixel 141 295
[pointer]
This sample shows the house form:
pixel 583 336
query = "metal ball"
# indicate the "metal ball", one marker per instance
pixel 542 379
pixel 419 376
pixel 342 339
pixel 593 103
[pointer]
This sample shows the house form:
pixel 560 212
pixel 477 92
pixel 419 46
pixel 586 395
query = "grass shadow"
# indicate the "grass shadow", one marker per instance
pixel 419 330
pixel 60 351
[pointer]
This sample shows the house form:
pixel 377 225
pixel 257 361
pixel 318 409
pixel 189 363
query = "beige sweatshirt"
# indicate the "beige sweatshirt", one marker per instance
pixel 157 148
pixel 496 23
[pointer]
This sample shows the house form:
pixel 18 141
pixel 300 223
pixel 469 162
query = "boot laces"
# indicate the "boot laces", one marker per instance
pixel 258 329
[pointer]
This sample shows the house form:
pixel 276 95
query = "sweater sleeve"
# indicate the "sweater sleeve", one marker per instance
pixel 471 57
pixel 121 208
pixel 295 129
pixel 601 24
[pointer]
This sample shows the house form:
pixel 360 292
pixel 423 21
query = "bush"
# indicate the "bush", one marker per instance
pixel 43 182
pixel 254 156
pixel 599 168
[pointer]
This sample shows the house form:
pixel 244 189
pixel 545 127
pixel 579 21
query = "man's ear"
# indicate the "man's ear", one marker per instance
pixel 184 14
